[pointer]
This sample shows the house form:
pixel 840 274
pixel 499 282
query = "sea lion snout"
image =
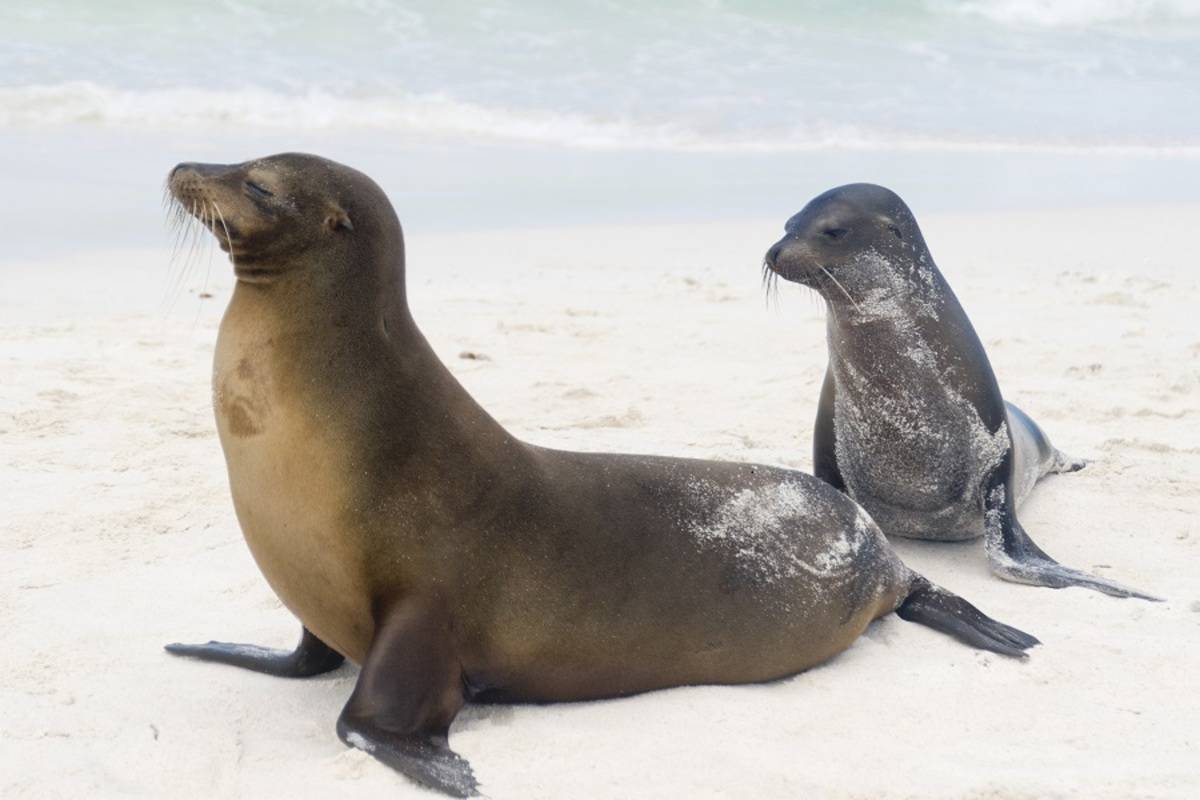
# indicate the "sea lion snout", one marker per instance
pixel 194 185
pixel 792 259
pixel 191 181
pixel 198 169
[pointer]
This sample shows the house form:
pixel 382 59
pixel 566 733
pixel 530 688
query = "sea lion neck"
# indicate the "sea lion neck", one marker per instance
pixel 887 320
pixel 353 343
pixel 329 300
pixel 879 294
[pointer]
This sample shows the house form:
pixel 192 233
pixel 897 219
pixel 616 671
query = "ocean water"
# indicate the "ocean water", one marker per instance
pixel 675 75
pixel 534 112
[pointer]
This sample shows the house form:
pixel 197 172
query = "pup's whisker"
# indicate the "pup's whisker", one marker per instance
pixel 843 288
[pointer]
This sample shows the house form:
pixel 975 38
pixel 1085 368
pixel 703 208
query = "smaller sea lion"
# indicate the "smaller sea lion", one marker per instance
pixel 911 423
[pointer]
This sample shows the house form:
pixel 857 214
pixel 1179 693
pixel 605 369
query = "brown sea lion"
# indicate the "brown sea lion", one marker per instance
pixel 412 534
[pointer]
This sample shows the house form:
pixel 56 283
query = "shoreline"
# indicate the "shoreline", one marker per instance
pixel 102 186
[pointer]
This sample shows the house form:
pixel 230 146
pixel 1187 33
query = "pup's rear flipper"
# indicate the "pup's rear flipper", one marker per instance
pixel 943 611
pixel 1041 570
pixel 1015 557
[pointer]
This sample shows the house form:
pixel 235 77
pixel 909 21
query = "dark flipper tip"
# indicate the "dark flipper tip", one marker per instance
pixel 224 652
pixel 946 612
pixel 428 760
pixel 1047 572
pixel 311 657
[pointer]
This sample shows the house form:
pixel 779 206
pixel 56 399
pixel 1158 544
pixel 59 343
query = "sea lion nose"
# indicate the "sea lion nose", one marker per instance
pixel 773 254
pixel 197 169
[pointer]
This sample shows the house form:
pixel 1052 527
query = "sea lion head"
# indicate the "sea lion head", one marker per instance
pixel 293 217
pixel 850 242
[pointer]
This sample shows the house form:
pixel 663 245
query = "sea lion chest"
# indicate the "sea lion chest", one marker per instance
pixel 911 447
pixel 288 474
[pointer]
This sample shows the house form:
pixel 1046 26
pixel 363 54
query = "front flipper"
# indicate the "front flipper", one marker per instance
pixel 311 657
pixel 428 760
pixel 1014 556
pixel 825 463
pixel 408 693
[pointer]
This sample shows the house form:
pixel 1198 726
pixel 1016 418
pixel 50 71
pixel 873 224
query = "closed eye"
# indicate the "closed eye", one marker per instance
pixel 834 233
pixel 255 189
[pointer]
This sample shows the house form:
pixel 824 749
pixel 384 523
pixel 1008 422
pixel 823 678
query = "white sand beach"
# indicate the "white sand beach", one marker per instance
pixel 119 536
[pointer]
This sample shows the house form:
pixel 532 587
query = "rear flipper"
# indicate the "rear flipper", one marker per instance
pixel 1015 557
pixel 1041 570
pixel 943 611
pixel 311 656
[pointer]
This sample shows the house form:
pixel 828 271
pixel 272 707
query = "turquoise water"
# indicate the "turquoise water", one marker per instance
pixel 680 75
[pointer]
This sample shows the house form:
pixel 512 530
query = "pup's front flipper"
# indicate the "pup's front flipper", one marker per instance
pixel 311 656
pixel 409 691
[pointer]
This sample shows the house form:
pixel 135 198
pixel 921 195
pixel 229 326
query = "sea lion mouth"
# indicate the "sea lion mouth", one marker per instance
pixel 773 268
pixel 805 277
pixel 816 277
pixel 803 271
pixel 191 199
pixel 228 239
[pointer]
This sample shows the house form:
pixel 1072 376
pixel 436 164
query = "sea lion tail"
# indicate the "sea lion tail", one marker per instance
pixel 944 611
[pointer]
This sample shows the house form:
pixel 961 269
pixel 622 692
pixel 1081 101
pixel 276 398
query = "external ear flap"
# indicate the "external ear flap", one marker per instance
pixel 338 219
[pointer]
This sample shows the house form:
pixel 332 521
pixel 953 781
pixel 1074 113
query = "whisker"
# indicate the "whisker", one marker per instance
pixel 193 241
pixel 177 225
pixel 228 238
pixel 843 288
pixel 770 283
pixel 189 248
pixel 198 246
pixel 178 222
pixel 211 213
